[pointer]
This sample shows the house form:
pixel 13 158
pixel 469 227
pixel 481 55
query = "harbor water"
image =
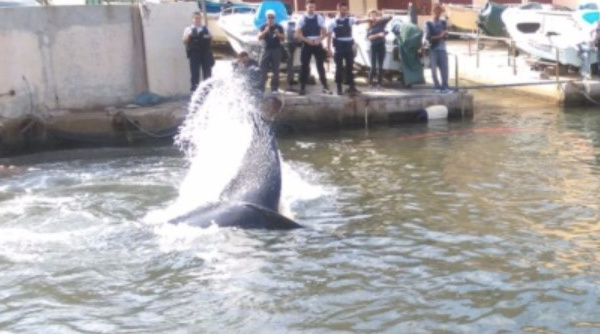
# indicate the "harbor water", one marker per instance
pixel 485 226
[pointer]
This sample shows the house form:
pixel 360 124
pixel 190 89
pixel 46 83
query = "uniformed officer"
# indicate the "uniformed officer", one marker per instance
pixel 311 31
pixel 197 41
pixel 341 29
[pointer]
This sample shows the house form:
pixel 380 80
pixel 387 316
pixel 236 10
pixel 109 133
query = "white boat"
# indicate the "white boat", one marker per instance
pixel 391 63
pixel 242 32
pixel 546 33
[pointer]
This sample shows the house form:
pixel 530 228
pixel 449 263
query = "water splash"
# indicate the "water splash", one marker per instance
pixel 214 137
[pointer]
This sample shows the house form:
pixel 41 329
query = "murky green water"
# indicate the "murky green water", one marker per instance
pixel 476 227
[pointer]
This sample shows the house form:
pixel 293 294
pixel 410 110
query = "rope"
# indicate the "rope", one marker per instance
pixel 585 94
pixel 169 133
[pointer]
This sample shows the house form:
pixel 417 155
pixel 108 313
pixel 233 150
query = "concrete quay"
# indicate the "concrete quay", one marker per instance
pixel 132 125
pixel 497 69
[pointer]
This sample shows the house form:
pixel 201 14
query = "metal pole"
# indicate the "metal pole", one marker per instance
pixel 514 56
pixel 556 71
pixel 477 48
pixel 204 14
pixel 295 6
pixel 456 78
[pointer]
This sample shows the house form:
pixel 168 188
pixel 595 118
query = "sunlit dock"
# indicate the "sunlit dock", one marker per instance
pixel 498 67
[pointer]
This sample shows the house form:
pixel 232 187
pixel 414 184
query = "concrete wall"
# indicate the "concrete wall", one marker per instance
pixel 72 57
pixel 167 66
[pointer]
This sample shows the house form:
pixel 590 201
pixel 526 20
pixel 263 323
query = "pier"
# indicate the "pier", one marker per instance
pixel 498 66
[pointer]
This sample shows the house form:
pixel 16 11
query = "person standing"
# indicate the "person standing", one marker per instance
pixel 197 41
pixel 271 34
pixel 311 32
pixel 412 13
pixel 291 44
pixel 436 34
pixel 343 43
pixel 376 36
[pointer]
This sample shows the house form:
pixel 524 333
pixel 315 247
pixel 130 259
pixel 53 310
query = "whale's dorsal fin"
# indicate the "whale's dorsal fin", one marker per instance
pixel 275 220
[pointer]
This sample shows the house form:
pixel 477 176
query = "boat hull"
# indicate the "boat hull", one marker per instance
pixel 462 17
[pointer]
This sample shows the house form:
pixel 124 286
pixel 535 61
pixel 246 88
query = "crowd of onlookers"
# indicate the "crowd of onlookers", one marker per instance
pixel 315 36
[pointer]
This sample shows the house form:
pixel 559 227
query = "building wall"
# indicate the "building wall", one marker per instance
pixel 167 66
pixel 71 57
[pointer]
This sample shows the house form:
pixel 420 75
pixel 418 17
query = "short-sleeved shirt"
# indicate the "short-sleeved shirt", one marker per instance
pixel 320 21
pixel 432 28
pixel 351 20
pixel 271 41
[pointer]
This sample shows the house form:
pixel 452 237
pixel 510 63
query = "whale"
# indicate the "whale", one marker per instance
pixel 251 199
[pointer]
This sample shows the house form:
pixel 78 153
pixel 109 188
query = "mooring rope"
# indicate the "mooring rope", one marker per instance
pixel 142 129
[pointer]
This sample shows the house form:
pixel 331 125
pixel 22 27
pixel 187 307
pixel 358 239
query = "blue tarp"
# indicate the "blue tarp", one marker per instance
pixel 277 6
pixel 217 6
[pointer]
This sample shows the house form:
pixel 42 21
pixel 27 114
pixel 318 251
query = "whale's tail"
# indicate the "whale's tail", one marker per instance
pixel 237 214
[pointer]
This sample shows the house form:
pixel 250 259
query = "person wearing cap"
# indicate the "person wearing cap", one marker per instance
pixel 343 43
pixel 271 34
pixel 311 31
pixel 435 34
pixel 197 41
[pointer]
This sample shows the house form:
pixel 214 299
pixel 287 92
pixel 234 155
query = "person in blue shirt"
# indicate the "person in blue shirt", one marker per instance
pixel 436 34
pixel 311 31
pixel 271 34
pixel 197 41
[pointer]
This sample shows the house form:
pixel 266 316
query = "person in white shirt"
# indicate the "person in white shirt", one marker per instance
pixel 197 41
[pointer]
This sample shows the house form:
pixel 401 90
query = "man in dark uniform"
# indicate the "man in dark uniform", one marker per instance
pixel 343 43
pixel 271 34
pixel 311 32
pixel 197 41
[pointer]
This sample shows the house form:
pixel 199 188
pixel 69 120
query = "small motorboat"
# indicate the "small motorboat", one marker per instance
pixel 551 34
pixel 214 9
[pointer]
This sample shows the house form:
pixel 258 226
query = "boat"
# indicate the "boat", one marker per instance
pixel 214 10
pixel 551 34
pixel 391 64
pixel 241 28
pixel 462 17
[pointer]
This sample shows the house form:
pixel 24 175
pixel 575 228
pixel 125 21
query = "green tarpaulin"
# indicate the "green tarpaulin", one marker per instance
pixel 409 38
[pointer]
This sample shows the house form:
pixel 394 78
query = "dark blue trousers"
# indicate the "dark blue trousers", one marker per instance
pixel 200 61
pixel 344 54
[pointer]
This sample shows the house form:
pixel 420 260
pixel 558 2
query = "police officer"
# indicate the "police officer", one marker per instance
pixel 197 41
pixel 343 43
pixel 311 32
pixel 271 33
